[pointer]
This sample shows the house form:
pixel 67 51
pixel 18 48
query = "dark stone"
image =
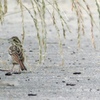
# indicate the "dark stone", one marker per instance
pixel 32 94
pixel 8 74
pixel 77 80
pixel 63 81
pixel 16 72
pixel 75 73
pixel 88 79
pixel 98 89
pixel 56 82
pixel 30 51
pixel 69 84
pixel 36 60
pixel 83 58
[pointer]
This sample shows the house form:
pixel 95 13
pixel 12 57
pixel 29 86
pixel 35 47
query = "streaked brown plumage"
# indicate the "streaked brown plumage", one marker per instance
pixel 16 52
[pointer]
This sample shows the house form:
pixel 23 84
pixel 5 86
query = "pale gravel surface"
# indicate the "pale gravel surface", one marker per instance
pixel 78 79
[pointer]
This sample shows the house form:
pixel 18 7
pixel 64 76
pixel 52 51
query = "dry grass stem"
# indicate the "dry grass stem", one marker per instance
pixel 38 13
pixel 98 8
pixel 92 24
pixel 22 15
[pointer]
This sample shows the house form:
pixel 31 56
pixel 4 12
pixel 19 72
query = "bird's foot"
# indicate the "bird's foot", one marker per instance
pixel 8 74
pixel 16 72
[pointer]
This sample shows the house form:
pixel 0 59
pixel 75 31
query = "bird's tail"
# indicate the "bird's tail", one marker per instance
pixel 22 66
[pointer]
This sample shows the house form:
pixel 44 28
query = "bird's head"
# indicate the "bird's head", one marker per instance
pixel 14 40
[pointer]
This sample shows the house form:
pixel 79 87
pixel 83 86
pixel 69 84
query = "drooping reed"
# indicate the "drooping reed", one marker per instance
pixel 39 10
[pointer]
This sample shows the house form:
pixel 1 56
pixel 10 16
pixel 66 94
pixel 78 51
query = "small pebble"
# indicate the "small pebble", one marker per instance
pixel 56 82
pixel 77 80
pixel 36 60
pixel 63 81
pixel 30 51
pixel 88 79
pixel 10 84
pixel 83 58
pixel 98 89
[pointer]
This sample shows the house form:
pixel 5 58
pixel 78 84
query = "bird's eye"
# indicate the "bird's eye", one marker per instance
pixel 14 40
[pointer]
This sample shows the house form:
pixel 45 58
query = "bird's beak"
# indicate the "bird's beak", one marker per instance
pixel 9 40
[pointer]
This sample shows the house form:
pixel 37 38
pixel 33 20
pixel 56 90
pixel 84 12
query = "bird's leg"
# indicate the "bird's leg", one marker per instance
pixel 19 70
pixel 12 67
pixel 11 71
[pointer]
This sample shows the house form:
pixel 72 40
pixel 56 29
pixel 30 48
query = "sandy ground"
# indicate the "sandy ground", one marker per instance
pixel 78 79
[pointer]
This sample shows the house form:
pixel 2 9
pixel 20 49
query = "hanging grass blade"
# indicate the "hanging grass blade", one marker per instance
pixel 5 6
pixel 92 25
pixel 98 9
pixel 22 15
pixel 44 31
pixel 59 37
pixel 1 13
pixel 75 6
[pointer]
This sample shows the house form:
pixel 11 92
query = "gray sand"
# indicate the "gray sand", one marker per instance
pixel 78 79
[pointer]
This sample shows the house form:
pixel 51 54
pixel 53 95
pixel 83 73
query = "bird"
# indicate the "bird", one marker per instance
pixel 16 41
pixel 16 52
